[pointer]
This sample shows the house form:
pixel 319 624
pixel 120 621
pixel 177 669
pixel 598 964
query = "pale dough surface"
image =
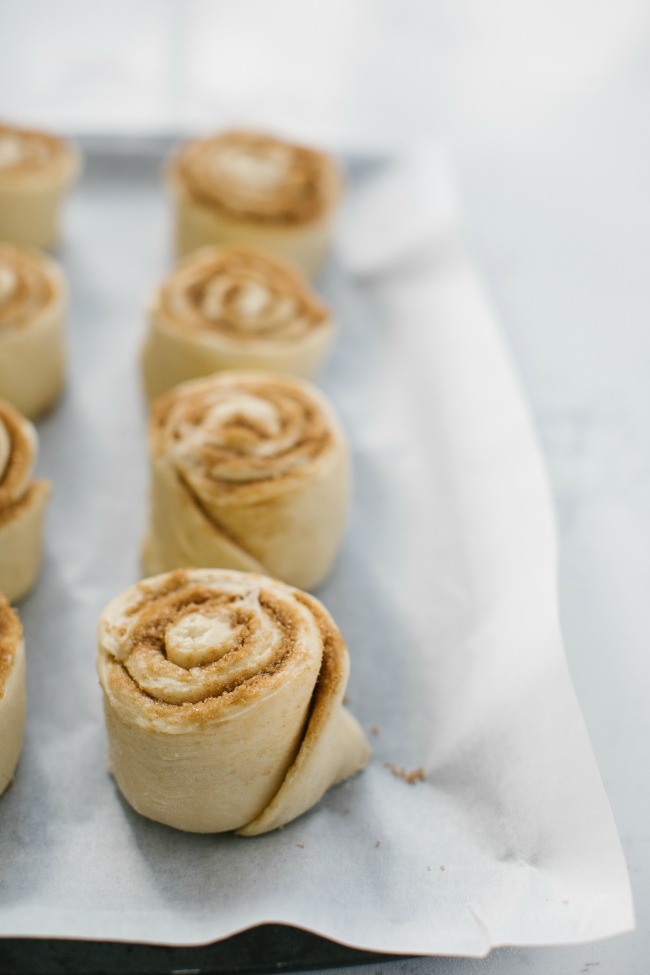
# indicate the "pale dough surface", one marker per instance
pixel 272 500
pixel 233 308
pixel 22 505
pixel 223 700
pixel 12 692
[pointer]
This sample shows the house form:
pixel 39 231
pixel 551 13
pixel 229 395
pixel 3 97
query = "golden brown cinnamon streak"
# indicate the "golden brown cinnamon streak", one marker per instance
pixel 36 171
pixel 22 504
pixel 250 471
pixel 223 697
pixel 33 298
pixel 12 692
pixel 233 308
pixel 252 188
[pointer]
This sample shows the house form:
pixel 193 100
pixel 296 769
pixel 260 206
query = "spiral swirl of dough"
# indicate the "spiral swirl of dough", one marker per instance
pixel 18 448
pixel 205 638
pixel 250 470
pixel 33 300
pixel 242 678
pixel 27 285
pixel 22 504
pixel 243 434
pixel 233 308
pixel 12 691
pixel 255 177
pixel 240 294
pixel 27 153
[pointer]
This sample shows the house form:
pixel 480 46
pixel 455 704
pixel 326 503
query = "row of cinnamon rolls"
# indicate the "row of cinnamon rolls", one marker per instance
pixel 266 203
pixel 221 308
pixel 250 487
pixel 235 187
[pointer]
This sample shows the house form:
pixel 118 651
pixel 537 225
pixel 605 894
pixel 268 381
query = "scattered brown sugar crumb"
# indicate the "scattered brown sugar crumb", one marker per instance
pixel 417 775
pixel 301 846
pixel 374 730
pixel 442 867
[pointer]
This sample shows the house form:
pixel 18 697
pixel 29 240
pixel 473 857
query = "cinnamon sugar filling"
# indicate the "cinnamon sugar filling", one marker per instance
pixel 256 178
pixel 214 450
pixel 265 637
pixel 241 295
pixel 26 288
pixel 30 151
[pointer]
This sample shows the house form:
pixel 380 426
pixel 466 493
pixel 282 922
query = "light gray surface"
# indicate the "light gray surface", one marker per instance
pixel 560 222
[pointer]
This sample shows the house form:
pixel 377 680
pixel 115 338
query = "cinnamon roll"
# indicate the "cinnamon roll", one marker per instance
pixel 249 188
pixel 36 171
pixel 223 697
pixel 12 692
pixel 233 308
pixel 22 504
pixel 33 297
pixel 250 471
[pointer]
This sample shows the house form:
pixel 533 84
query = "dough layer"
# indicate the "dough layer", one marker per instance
pixel 223 699
pixel 12 692
pixel 33 299
pixel 250 471
pixel 22 504
pixel 253 189
pixel 233 308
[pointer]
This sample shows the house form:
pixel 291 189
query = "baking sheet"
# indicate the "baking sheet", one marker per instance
pixel 445 591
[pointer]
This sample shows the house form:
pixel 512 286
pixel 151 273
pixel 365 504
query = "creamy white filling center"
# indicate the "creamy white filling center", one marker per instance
pixel 256 409
pixel 196 640
pixel 259 171
pixel 252 299
pixel 247 299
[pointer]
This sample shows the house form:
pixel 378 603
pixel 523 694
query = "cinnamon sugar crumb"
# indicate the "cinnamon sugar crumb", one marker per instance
pixel 417 775
pixel 374 730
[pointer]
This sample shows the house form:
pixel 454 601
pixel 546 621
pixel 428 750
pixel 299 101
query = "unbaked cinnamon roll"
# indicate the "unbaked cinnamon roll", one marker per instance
pixel 223 697
pixel 33 299
pixel 250 471
pixel 12 692
pixel 249 188
pixel 233 308
pixel 36 171
pixel 22 504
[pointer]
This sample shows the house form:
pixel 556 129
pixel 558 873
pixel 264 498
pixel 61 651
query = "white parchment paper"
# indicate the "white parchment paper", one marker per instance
pixel 445 591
